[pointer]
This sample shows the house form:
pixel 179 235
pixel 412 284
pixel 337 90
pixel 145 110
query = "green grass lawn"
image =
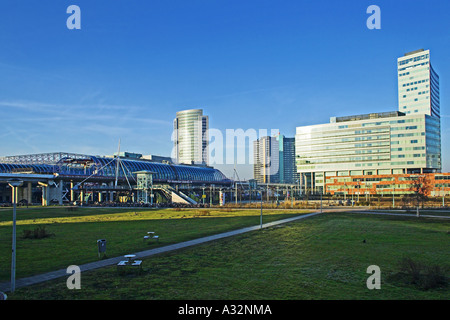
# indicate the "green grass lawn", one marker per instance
pixel 323 257
pixel 76 233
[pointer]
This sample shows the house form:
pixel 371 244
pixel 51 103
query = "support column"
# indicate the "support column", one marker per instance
pixel 29 192
pixel 72 195
pixel 100 197
pixel 45 196
pixel 111 193
pixel 60 192
pixel 82 194
pixel 20 191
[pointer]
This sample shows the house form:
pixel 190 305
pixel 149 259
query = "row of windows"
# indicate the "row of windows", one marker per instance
pixel 343 140
pixel 407 149
pixel 406 128
pixel 393 122
pixel 415 82
pixel 415 155
pixel 415 59
pixel 334 133
pixel 402 135
pixel 306 155
pixel 345 159
pixel 312 148
pixel 416 65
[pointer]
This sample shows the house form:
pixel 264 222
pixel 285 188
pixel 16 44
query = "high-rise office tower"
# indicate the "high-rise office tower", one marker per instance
pixel 418 84
pixel 418 93
pixel 288 170
pixel 191 137
pixel 266 160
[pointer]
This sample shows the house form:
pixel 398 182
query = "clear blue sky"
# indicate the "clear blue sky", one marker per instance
pixel 261 64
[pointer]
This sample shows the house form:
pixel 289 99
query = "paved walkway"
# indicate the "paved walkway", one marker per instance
pixel 400 214
pixel 6 286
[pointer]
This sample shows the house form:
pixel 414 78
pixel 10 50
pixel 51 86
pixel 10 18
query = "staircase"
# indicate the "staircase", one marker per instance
pixel 176 196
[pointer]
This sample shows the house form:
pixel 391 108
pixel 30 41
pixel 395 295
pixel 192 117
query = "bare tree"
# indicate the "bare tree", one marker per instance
pixel 421 188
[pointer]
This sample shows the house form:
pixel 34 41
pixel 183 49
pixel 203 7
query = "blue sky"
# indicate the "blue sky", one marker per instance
pixel 261 64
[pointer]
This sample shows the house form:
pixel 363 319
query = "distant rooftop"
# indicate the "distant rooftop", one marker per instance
pixel 377 115
pixel 414 52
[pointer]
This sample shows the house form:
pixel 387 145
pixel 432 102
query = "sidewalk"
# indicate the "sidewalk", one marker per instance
pixel 401 214
pixel 6 286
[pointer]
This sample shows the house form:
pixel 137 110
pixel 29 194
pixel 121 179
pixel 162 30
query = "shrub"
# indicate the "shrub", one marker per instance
pixel 434 278
pixel 412 268
pixel 423 277
pixel 200 213
pixel 37 233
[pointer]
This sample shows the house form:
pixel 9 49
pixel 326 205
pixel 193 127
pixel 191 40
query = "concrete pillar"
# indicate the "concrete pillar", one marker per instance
pixel 60 192
pixel 100 197
pixel 45 196
pixel 29 192
pixel 19 194
pixel 81 194
pixel 72 195
pixel 111 193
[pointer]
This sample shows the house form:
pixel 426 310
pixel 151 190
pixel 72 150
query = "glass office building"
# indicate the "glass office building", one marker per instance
pixel 418 84
pixel 400 142
pixel 287 171
pixel 266 165
pixel 190 137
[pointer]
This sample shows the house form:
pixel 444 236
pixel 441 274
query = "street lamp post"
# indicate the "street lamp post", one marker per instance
pixel 261 216
pixel 321 202
pixel 393 199
pixel 14 184
pixel 210 196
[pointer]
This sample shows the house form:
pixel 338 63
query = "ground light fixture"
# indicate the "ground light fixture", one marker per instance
pixel 14 184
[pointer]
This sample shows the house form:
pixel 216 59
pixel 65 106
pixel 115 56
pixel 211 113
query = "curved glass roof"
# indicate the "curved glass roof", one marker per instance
pixel 106 167
pixel 37 168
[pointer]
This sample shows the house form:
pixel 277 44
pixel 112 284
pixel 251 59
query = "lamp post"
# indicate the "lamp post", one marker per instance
pixel 321 202
pixel 261 216
pixel 345 187
pixel 210 196
pixel 14 184
pixel 393 197
pixel 203 195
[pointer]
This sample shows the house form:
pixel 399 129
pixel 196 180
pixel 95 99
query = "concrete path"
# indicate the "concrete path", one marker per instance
pixel 400 214
pixel 6 286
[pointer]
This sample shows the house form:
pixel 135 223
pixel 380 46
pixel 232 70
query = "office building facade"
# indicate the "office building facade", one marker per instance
pixel 287 171
pixel 407 141
pixel 190 137
pixel 418 84
pixel 266 160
